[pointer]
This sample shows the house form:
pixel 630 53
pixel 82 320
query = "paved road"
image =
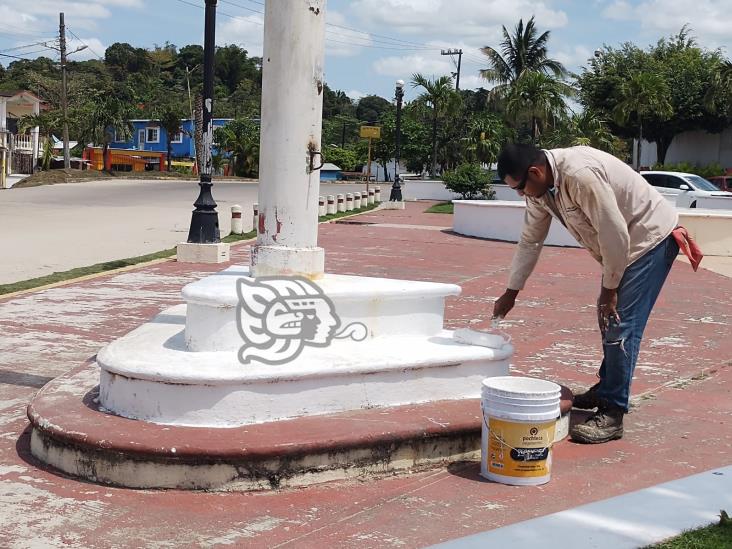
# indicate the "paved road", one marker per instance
pixel 59 227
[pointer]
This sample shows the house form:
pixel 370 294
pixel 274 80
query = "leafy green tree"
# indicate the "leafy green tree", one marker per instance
pixel 345 158
pixel 371 108
pixel 689 74
pixel 523 51
pixel 103 117
pixel 169 118
pixel 540 97
pixel 470 181
pixel 643 95
pixel 487 134
pixel 583 128
pixel 240 139
pixel 440 96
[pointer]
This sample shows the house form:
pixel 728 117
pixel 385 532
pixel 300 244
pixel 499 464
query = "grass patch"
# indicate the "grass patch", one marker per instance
pixel 715 536
pixel 441 208
pixel 79 272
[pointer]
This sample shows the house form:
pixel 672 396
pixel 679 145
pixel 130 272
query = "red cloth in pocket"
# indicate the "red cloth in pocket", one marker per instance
pixel 688 246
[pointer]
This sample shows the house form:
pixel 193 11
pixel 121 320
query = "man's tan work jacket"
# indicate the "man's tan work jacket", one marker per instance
pixel 607 206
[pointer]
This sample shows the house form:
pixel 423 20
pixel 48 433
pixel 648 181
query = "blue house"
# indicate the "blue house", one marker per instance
pixel 149 136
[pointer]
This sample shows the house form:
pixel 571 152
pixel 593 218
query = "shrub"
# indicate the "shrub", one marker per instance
pixel 703 171
pixel 470 181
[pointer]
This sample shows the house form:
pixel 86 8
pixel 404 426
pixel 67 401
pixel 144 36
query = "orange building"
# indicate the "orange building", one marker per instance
pixel 126 160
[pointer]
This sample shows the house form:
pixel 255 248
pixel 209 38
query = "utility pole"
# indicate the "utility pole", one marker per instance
pixel 459 53
pixel 64 99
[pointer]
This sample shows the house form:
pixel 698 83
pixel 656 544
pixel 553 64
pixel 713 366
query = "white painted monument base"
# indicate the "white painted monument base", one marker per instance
pixel 392 205
pixel 154 374
pixel 187 252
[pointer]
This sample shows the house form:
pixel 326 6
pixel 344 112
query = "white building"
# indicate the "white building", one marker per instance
pixel 697 147
pixel 24 147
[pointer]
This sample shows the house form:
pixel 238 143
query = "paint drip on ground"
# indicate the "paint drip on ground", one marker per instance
pixel 519 422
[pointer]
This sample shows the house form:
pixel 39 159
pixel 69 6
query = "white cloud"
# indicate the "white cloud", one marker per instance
pixel 710 20
pixel 475 22
pixel 574 58
pixel 356 95
pixel 246 32
pixel 404 67
pixel 94 50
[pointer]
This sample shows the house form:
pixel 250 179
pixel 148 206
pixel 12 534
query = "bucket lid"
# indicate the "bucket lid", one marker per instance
pixel 527 387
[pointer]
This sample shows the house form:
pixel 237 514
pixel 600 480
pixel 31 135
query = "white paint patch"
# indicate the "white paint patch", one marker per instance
pixel 669 341
pixel 7 469
pixel 249 530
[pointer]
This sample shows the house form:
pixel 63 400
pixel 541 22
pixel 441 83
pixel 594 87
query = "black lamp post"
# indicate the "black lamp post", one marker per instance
pixel 396 188
pixel 205 220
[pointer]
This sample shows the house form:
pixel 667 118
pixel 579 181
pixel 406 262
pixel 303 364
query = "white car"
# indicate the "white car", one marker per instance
pixel 685 187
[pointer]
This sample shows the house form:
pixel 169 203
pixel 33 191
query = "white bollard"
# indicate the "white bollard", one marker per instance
pixel 237 226
pixel 349 202
pixel 341 201
pixel 372 195
pixel 255 218
pixel 356 200
pixel 331 204
pixel 377 195
pixel 321 207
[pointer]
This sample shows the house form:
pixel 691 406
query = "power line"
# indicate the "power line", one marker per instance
pixel 26 46
pixel 85 44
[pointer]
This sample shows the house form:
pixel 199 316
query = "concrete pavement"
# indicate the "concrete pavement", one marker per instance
pixel 60 227
pixel 679 425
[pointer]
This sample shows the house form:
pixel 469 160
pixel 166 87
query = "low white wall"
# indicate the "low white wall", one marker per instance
pixel 714 203
pixel 413 189
pixel 712 230
pixel 501 220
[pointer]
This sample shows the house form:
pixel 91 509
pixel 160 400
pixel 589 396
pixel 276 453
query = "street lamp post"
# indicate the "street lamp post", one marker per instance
pixel 396 188
pixel 205 220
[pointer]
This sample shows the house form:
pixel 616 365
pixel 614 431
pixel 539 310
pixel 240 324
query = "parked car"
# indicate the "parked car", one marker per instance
pixel 723 182
pixel 686 187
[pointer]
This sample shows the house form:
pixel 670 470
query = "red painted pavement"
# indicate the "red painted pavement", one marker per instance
pixel 680 423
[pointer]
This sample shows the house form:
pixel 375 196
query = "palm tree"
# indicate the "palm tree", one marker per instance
pixel 523 51
pixel 103 117
pixel 541 97
pixel 644 95
pixel 583 128
pixel 240 139
pixel 440 95
pixel 487 134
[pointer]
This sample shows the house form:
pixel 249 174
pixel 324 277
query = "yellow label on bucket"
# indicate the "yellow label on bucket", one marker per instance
pixel 519 449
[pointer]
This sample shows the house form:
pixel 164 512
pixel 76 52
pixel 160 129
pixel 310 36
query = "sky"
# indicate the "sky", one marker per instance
pixel 371 43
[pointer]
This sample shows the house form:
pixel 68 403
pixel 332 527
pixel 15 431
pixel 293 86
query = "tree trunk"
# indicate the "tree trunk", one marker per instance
pixel 434 143
pixel 107 165
pixel 170 149
pixel 533 128
pixel 662 146
pixel 640 143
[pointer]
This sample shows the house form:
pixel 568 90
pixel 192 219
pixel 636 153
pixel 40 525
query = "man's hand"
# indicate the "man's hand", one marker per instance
pixel 505 303
pixel 607 305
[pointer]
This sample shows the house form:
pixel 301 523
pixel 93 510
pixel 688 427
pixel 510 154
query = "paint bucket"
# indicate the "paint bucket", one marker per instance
pixel 519 420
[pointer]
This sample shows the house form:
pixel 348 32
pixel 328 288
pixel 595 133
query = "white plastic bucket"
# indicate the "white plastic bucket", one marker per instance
pixel 519 422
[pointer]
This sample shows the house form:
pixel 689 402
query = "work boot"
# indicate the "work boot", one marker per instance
pixel 587 400
pixel 603 426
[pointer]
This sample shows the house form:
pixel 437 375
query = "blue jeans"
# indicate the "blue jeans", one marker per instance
pixel 637 293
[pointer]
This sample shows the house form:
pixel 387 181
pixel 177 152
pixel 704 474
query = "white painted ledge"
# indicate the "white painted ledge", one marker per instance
pixel 501 220
pixel 435 190
pixel 149 375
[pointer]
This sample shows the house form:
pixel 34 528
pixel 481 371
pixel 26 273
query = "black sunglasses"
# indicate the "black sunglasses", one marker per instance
pixel 522 183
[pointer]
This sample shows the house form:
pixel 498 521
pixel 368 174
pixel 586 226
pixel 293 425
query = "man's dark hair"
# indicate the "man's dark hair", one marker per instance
pixel 516 158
